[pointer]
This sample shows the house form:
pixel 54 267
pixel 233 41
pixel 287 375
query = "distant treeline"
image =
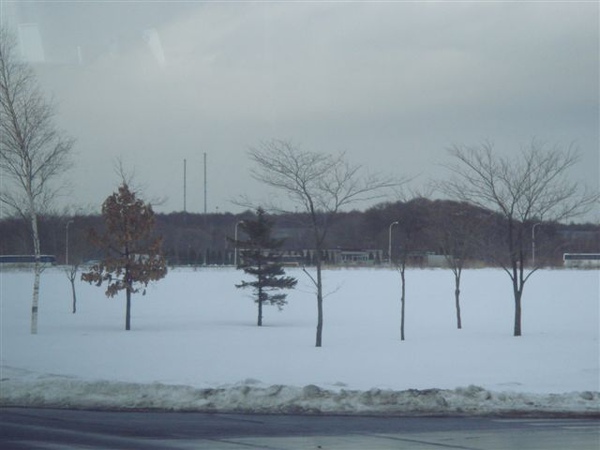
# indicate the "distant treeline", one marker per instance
pixel 199 239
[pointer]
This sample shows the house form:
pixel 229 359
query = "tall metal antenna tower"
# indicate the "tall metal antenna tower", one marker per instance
pixel 184 185
pixel 204 183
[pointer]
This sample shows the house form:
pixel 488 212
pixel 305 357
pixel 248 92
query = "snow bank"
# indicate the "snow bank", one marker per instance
pixel 23 389
pixel 194 346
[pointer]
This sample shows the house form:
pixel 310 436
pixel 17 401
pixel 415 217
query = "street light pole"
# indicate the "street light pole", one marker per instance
pixel 235 248
pixel 533 243
pixel 390 243
pixel 67 243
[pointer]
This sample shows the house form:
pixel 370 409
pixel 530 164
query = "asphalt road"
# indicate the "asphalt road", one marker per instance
pixel 65 429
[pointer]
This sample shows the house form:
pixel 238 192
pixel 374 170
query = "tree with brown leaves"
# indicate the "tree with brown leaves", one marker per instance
pixel 133 255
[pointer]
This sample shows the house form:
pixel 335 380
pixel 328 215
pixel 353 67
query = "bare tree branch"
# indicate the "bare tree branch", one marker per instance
pixel 321 184
pixel 33 153
pixel 533 187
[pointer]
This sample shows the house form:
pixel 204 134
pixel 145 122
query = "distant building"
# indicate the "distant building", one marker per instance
pixel 581 260
pixel 352 257
pixel 26 259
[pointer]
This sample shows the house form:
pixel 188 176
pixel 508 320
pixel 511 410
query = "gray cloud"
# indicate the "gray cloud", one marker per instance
pixel 393 84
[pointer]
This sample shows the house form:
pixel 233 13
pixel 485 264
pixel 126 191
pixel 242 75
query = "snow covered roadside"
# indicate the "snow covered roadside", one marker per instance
pixel 23 389
pixel 203 353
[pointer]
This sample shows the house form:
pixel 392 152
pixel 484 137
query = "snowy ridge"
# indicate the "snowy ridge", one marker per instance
pixel 23 389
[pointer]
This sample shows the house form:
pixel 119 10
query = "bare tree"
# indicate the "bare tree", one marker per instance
pixel 321 184
pixel 457 228
pixel 412 227
pixel 400 263
pixel 532 187
pixel 71 273
pixel 33 153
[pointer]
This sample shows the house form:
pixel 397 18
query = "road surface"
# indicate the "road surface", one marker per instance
pixel 34 429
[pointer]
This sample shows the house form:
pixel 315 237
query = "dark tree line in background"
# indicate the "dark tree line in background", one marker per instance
pixel 198 239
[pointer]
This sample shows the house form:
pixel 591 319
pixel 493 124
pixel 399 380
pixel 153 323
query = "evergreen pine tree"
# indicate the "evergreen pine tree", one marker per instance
pixel 260 257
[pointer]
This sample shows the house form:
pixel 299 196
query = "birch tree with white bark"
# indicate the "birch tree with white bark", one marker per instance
pixel 33 152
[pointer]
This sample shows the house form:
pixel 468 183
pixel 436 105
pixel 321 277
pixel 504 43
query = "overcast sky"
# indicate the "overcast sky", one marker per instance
pixel 393 84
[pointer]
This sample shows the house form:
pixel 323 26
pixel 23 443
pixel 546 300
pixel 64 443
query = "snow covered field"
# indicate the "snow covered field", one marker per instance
pixel 194 345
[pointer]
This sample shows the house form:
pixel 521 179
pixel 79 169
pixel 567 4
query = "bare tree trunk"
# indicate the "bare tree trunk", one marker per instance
pixel 128 283
pixel 518 287
pixel 515 245
pixel 74 296
pixel 71 272
pixel 37 271
pixel 36 296
pixel 517 293
pixel 128 310
pixel 457 299
pixel 319 301
pixel 260 302
pixel 517 329
pixel 402 299
pixel 259 323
